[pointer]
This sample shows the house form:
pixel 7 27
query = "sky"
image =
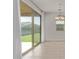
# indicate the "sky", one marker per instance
pixel 29 19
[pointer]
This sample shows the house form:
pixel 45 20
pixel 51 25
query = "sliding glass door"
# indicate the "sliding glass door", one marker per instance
pixel 26 33
pixel 30 27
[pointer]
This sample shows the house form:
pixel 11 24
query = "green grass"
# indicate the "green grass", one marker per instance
pixel 28 38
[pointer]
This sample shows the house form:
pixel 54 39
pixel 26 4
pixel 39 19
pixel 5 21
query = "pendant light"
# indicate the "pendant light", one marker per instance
pixel 60 17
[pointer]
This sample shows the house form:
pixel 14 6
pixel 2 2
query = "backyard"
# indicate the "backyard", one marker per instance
pixel 28 38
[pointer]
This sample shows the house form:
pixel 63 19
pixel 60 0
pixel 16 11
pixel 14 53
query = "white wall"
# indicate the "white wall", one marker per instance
pixel 50 28
pixel 16 31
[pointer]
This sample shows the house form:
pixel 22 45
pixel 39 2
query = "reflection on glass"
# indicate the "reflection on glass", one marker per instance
pixel 60 25
pixel 26 32
pixel 36 29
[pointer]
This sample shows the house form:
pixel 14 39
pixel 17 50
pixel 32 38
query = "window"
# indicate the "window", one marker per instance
pixel 59 25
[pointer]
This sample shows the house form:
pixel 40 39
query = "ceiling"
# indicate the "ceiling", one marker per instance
pixel 25 9
pixel 50 5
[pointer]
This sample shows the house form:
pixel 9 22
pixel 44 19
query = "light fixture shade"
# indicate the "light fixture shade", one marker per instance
pixel 62 17
pixel 59 17
pixel 59 22
pixel 56 17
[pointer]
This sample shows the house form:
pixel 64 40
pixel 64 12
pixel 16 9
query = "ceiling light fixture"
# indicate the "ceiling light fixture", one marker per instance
pixel 60 17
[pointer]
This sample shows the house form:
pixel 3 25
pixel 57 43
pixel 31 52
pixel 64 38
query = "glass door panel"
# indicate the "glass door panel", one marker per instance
pixel 26 27
pixel 26 33
pixel 37 28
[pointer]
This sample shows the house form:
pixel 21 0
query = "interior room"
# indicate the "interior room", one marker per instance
pixel 39 29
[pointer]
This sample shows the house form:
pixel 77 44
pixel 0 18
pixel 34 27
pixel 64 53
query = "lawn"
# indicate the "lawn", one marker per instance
pixel 28 38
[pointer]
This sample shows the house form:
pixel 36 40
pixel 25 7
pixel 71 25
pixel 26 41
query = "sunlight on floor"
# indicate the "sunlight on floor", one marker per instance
pixel 26 46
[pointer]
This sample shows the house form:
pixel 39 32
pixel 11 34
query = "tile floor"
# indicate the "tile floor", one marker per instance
pixel 47 50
